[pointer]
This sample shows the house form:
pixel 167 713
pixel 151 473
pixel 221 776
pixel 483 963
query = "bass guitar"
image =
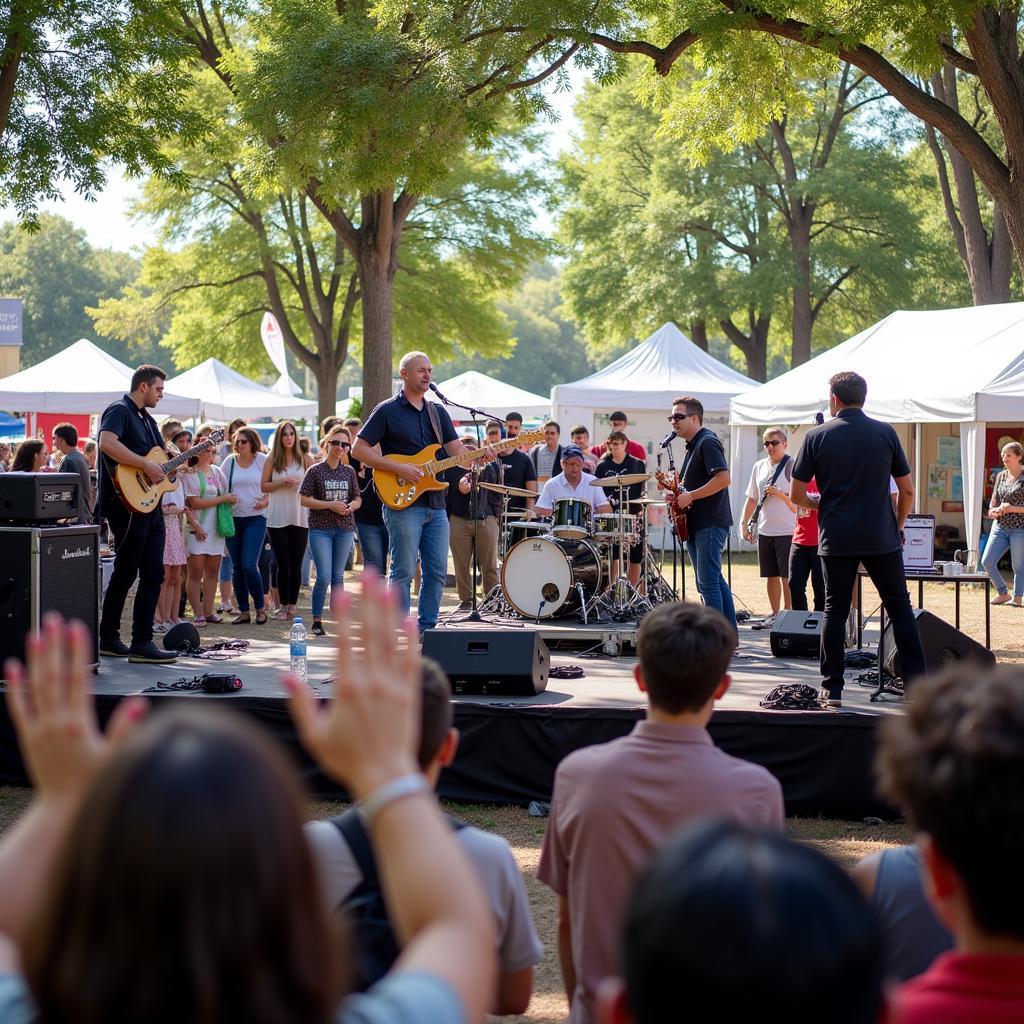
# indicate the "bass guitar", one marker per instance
pixel 138 492
pixel 669 483
pixel 399 492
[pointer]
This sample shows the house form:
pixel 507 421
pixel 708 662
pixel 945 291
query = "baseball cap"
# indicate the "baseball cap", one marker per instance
pixel 572 451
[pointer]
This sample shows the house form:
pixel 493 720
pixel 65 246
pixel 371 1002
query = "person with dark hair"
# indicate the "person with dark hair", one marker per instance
pixel 730 923
pixel 30 456
pixel 580 436
pixel 1006 510
pixel 851 459
pixel 127 435
pixel 244 473
pixel 546 456
pixel 955 764
pixel 203 813
pixel 704 495
pixel 514 427
pixel 227 446
pixel 616 462
pixel 65 441
pixel 617 421
pixel 615 803
pixel 519 948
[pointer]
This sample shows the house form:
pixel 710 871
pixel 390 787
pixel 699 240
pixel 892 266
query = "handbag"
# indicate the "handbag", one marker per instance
pixel 225 520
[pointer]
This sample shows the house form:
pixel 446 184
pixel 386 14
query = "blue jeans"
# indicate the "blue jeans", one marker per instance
pixel 226 569
pixel 999 542
pixel 423 531
pixel 705 550
pixel 245 549
pixel 373 539
pixel 330 549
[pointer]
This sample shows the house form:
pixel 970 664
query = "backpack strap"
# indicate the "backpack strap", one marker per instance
pixel 352 830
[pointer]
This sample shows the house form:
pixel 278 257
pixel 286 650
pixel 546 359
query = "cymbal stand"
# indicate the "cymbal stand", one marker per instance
pixel 620 599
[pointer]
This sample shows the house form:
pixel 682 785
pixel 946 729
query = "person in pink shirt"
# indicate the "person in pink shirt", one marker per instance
pixel 955 763
pixel 615 803
pixel 803 558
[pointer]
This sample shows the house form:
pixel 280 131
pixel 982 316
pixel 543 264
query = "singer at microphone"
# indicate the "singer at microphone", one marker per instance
pixel 433 387
pixel 667 439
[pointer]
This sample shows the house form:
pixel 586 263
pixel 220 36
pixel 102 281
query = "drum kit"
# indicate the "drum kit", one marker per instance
pixel 576 563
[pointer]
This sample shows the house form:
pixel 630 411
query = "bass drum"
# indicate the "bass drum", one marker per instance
pixel 542 576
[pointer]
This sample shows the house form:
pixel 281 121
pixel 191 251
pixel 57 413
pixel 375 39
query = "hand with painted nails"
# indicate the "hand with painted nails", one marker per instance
pixel 53 712
pixel 367 734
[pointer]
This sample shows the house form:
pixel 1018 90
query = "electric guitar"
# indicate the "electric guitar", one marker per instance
pixel 669 483
pixel 398 492
pixel 138 492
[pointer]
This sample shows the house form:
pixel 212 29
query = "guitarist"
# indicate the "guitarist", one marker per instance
pixel 768 499
pixel 405 425
pixel 704 494
pixel 127 433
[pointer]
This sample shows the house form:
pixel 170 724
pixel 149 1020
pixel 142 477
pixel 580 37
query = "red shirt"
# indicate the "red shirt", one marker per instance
pixel 964 988
pixel 634 448
pixel 806 530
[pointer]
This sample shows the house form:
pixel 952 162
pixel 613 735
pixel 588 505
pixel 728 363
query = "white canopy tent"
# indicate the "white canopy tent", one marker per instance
pixel 223 393
pixel 83 379
pixel 963 366
pixel 483 392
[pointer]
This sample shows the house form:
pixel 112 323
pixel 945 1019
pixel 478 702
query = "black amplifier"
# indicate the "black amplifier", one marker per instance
pixel 38 497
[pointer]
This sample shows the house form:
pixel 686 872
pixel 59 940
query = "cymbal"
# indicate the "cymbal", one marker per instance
pixel 625 480
pixel 512 492
pixel 647 501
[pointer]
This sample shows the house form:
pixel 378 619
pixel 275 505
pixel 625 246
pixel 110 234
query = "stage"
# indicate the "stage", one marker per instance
pixel 510 746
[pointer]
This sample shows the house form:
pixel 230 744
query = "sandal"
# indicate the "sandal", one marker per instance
pixel 200 622
pixel 280 614
pixel 241 619
pixel 215 619
pixel 261 617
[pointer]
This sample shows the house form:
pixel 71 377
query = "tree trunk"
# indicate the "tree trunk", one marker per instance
pixel 326 374
pixel 799 228
pixel 376 285
pixel 699 333
pixel 753 345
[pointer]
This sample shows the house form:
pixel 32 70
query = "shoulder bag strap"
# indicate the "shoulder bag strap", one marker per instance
pixel 434 421
pixel 351 827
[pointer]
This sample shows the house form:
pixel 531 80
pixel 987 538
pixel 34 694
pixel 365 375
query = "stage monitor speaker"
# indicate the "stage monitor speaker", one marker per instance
pixel 46 569
pixel 797 634
pixel 38 497
pixel 508 663
pixel 942 645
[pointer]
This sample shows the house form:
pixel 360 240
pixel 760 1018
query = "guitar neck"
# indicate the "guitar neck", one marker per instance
pixel 179 460
pixel 440 465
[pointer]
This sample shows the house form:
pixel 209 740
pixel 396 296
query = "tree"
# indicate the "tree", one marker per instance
pixel 58 274
pixel 82 81
pixel 745 46
pixel 371 102
pixel 230 250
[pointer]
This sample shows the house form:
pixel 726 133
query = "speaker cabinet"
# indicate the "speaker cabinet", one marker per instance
pixel 797 634
pixel 47 569
pixel 510 663
pixel 942 644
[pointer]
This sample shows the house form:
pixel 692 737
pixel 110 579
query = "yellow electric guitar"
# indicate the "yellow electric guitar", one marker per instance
pixel 138 492
pixel 397 492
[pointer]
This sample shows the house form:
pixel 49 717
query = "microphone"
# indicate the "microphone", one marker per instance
pixel 667 439
pixel 433 387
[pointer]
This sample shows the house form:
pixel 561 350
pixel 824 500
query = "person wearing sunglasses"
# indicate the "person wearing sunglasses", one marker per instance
pixel 330 490
pixel 704 494
pixel 768 496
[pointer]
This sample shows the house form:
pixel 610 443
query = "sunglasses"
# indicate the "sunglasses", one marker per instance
pixel 340 444
pixel 771 444
pixel 241 440
pixel 677 416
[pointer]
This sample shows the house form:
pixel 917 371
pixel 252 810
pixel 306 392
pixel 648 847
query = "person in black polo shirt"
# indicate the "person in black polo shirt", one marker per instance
pixel 705 494
pixel 404 425
pixel 617 461
pixel 517 468
pixel 851 458
pixel 127 433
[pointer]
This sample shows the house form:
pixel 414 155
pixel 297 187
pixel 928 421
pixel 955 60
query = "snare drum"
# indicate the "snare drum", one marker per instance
pixel 571 518
pixel 545 578
pixel 606 527
pixel 517 531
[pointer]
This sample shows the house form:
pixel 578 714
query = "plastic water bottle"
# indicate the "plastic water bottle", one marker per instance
pixel 297 645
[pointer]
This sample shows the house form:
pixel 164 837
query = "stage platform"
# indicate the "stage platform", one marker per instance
pixel 510 746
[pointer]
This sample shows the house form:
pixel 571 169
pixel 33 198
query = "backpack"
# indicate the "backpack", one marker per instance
pixel 375 947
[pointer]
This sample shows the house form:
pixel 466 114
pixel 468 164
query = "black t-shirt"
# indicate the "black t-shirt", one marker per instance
pixel 631 464
pixel 488 503
pixel 402 429
pixel 138 432
pixel 851 458
pixel 369 511
pixel 519 470
pixel 705 457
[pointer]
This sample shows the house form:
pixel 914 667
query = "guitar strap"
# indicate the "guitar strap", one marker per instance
pixel 771 483
pixel 434 422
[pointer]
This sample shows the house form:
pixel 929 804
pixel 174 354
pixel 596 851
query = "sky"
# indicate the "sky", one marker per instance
pixel 107 225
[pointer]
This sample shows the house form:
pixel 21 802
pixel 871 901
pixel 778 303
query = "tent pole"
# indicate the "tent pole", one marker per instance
pixel 918 431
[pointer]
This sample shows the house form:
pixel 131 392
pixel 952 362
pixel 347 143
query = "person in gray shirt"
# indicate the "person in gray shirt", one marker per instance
pixel 65 441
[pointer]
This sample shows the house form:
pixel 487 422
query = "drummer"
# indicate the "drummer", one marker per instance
pixel 617 461
pixel 572 482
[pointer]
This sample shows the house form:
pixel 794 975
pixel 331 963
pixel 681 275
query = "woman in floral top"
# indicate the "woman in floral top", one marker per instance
pixel 1007 509
pixel 330 490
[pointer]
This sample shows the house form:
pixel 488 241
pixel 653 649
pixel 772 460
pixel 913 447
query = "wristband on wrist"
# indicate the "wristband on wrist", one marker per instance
pixel 390 792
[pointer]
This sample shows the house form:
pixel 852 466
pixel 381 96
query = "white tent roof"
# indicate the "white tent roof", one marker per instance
pixel 224 393
pixel 938 366
pixel 81 379
pixel 483 392
pixel 649 376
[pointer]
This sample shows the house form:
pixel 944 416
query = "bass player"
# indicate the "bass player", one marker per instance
pixel 704 495
pixel 127 434
pixel 405 425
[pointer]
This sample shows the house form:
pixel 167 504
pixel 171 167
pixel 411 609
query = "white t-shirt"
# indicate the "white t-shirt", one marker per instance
pixel 284 508
pixel 246 484
pixel 518 944
pixel 776 518
pixel 558 487
pixel 177 496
